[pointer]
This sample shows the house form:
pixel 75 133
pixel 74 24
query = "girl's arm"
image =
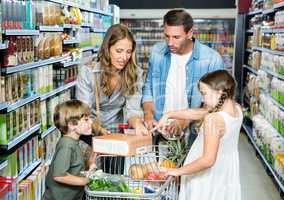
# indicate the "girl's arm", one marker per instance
pixel 186 114
pixel 71 180
pixel 214 127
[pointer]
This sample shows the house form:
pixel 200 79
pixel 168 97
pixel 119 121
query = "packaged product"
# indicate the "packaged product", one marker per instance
pixel 121 144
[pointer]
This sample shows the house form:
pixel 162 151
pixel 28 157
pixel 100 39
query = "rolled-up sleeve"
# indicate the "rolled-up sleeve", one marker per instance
pixel 84 86
pixel 133 102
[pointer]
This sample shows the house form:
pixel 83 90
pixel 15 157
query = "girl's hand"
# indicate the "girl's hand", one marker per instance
pixel 162 122
pixel 173 172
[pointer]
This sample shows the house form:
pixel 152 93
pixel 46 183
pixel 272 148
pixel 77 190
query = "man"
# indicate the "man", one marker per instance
pixel 175 66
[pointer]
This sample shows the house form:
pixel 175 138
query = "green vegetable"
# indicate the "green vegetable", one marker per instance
pixel 105 184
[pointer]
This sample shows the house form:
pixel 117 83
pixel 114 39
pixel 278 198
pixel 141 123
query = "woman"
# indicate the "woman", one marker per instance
pixel 118 79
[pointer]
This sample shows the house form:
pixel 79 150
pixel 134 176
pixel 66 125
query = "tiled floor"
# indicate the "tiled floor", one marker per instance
pixel 255 183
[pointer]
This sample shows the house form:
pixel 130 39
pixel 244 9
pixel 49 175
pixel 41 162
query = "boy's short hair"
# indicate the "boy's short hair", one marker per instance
pixel 69 112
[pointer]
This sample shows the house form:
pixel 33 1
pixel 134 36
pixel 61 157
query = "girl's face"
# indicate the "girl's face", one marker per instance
pixel 120 53
pixel 84 126
pixel 210 97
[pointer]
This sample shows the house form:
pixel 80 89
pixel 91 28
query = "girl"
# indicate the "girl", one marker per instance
pixel 211 168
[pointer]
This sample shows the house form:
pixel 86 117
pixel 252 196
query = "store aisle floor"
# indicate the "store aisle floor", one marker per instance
pixel 255 183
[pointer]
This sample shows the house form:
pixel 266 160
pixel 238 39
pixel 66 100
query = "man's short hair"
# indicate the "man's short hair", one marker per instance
pixel 177 17
pixel 69 112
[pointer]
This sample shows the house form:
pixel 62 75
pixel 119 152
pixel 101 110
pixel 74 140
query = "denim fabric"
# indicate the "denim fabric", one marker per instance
pixel 202 61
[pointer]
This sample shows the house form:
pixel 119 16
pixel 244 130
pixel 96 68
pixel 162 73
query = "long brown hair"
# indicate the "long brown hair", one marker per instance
pixel 128 74
pixel 220 80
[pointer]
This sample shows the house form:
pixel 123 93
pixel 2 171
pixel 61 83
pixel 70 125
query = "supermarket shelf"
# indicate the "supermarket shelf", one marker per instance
pixel 270 30
pixel 20 138
pixel 149 40
pixel 73 26
pixel 96 30
pixel 146 29
pixel 71 63
pixel 86 25
pixel 47 132
pixel 51 28
pixel 255 12
pixel 249 31
pixel 18 68
pixel 279 76
pixel 67 3
pixel 21 102
pixel 49 160
pixel 268 11
pixel 279 105
pixel 281 53
pixel 248 131
pixel 72 41
pixel 3 46
pixel 3 106
pixel 278 5
pixel 249 50
pixel 3 164
pixel 21 32
pixel 250 69
pixel 58 90
pixel 90 48
pixel 28 170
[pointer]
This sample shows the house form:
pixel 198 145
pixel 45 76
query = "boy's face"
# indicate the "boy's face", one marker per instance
pixel 84 126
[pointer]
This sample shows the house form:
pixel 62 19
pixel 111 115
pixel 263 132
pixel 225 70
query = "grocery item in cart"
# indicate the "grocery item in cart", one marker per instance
pixel 121 144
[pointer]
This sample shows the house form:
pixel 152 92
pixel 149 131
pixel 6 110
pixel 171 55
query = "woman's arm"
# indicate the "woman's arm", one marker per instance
pixel 133 110
pixel 214 127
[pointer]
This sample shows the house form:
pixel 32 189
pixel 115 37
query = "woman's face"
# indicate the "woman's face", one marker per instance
pixel 210 97
pixel 120 53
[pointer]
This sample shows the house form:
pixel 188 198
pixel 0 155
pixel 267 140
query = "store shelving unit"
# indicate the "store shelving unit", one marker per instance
pixel 48 131
pixel 19 68
pixel 242 69
pixel 57 91
pixel 28 170
pixel 20 138
pixel 216 33
pixel 248 131
pixel 38 131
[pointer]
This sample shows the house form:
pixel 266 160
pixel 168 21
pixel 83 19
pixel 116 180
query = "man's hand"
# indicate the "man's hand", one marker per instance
pixel 149 121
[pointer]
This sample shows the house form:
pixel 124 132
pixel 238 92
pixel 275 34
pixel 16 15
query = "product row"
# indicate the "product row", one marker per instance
pixel 270 143
pixel 37 81
pixel 14 123
pixel 37 13
pixel 47 109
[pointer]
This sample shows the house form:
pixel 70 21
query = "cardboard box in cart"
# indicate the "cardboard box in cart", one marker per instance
pixel 121 144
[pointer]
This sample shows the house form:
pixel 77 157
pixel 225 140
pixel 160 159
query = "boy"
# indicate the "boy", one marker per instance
pixel 63 180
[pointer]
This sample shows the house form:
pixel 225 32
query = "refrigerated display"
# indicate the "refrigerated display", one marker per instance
pixel 216 33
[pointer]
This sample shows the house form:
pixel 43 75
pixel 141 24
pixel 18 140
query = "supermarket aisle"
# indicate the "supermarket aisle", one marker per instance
pixel 255 183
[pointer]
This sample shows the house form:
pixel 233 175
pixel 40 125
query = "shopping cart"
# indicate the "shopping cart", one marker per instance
pixel 118 171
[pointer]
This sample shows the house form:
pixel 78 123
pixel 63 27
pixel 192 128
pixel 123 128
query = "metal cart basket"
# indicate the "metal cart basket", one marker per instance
pixel 118 169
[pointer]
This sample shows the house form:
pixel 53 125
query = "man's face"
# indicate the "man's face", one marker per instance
pixel 176 38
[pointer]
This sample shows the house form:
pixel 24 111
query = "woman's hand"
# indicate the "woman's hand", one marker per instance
pixel 140 129
pixel 97 129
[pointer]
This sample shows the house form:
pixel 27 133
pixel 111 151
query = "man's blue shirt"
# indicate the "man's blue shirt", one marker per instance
pixel 202 61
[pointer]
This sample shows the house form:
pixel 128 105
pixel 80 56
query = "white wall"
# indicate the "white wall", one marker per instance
pixel 159 13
